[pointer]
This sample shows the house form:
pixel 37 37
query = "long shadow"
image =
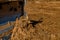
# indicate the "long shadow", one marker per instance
pixel 4 20
pixel 33 22
pixel 7 18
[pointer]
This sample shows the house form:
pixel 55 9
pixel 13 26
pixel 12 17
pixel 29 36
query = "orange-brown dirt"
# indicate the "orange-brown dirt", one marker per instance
pixel 48 29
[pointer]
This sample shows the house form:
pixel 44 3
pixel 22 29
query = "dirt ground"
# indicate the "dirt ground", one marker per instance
pixel 47 15
pixel 48 29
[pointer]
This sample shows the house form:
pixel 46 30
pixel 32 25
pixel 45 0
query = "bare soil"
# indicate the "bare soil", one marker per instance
pixel 48 29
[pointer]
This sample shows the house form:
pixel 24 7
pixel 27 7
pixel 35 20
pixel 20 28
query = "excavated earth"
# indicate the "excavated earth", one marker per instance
pixel 48 29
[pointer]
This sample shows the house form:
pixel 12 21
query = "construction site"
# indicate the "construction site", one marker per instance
pixel 30 20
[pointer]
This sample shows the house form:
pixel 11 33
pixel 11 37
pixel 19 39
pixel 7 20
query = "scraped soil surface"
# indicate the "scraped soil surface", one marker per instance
pixel 48 29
